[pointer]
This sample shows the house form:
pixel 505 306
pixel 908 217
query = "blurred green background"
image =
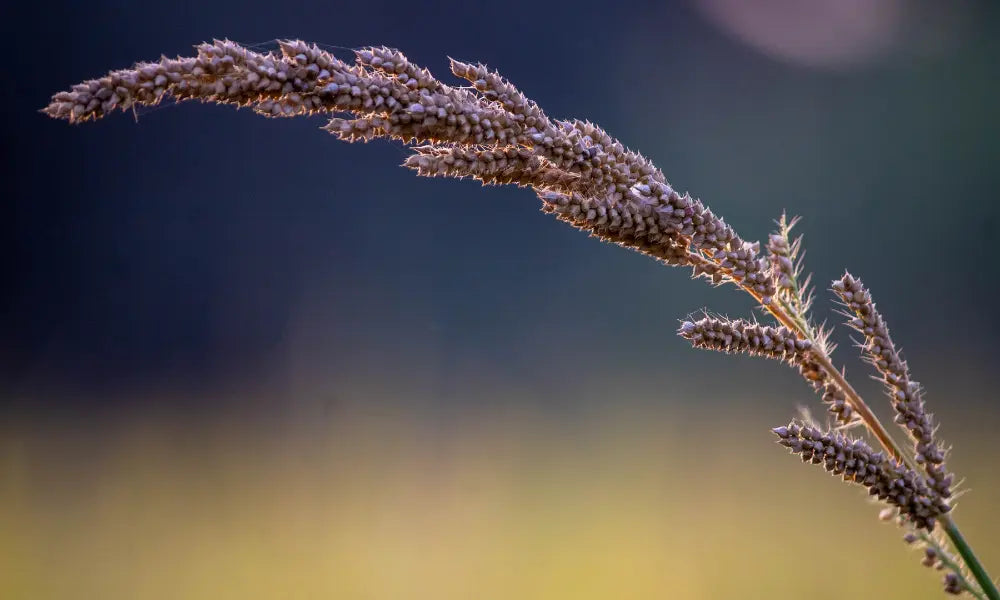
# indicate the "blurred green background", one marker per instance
pixel 244 360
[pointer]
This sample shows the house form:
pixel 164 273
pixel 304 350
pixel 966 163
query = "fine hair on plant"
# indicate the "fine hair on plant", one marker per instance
pixel 488 130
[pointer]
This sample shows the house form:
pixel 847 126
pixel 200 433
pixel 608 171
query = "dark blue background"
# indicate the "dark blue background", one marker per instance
pixel 205 250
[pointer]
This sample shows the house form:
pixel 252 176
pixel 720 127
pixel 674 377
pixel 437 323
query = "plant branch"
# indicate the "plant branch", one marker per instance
pixel 885 439
pixel 492 132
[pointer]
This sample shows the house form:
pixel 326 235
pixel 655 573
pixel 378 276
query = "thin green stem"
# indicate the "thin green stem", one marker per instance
pixel 971 560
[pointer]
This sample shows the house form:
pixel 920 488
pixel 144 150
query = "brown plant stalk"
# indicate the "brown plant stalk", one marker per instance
pixel 492 132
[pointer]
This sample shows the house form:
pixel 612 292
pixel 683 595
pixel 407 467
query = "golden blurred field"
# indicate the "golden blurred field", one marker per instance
pixel 371 501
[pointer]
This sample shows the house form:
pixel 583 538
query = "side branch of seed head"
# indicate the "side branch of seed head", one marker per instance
pixel 937 556
pixel 854 460
pixel 746 337
pixel 785 256
pixel 905 394
pixel 780 343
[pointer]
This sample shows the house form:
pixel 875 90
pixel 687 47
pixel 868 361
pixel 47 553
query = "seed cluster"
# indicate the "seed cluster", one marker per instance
pixel 489 131
pixel 781 257
pixel 854 460
pixel 784 255
pixel 507 165
pixel 741 336
pixel 746 337
pixel 905 394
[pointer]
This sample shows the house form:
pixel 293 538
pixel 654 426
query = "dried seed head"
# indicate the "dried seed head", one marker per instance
pixel 854 460
pixel 741 336
pixel 905 395
pixel 491 132
pixel 786 266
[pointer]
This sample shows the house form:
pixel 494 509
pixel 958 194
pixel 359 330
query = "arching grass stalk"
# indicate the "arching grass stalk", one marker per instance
pixel 492 132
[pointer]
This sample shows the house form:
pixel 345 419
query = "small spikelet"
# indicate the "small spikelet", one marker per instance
pixel 352 130
pixel 784 255
pixel 953 585
pixel 393 62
